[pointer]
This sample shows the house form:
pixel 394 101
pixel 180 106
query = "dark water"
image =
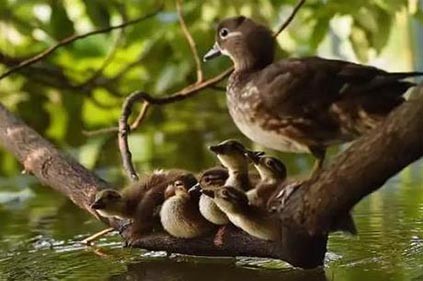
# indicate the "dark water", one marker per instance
pixel 40 231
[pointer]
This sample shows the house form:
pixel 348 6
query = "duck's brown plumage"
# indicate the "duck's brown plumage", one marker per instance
pixel 180 215
pixel 301 104
pixel 255 221
pixel 139 201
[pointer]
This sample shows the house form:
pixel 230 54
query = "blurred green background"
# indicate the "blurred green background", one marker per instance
pixel 80 87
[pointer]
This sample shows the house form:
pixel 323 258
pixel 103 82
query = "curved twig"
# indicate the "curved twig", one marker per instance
pixel 188 91
pixel 191 41
pixel 285 24
pixel 72 39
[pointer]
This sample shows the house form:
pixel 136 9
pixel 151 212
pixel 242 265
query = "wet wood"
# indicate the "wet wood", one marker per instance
pixel 360 170
pixel 355 173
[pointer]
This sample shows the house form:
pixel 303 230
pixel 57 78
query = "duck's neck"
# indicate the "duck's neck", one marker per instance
pixel 247 61
pixel 238 178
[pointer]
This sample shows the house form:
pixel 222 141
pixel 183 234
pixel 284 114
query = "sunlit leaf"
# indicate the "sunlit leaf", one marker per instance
pixel 98 12
pixel 359 43
pixel 60 24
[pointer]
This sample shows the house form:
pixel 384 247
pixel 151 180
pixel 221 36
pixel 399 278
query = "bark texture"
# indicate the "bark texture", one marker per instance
pixel 307 214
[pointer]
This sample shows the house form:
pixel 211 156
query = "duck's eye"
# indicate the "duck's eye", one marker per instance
pixel 270 163
pixel 223 32
pixel 112 196
pixel 225 193
pixel 179 184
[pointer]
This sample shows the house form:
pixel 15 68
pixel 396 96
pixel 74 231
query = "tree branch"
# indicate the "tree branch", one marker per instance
pixel 363 168
pixel 191 41
pixel 178 96
pixel 65 175
pixel 72 39
pixel 285 24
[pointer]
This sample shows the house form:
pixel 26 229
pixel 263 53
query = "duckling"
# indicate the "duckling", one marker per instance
pixel 180 215
pixel 272 172
pixel 139 201
pixel 111 203
pixel 212 179
pixel 231 155
pixel 253 220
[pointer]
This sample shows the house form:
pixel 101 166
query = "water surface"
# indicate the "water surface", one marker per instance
pixel 40 230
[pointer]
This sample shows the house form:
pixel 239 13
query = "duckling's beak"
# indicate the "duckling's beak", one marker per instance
pixel 196 187
pixel 216 149
pixel 254 156
pixel 209 193
pixel 212 53
pixel 97 205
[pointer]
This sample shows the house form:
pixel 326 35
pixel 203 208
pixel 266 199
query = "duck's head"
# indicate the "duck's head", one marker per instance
pixel 231 154
pixel 213 178
pixel 249 45
pixel 109 203
pixel 270 168
pixel 230 199
pixel 181 188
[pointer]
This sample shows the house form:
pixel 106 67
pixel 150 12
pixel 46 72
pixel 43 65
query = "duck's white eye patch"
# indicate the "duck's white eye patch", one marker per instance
pixel 223 32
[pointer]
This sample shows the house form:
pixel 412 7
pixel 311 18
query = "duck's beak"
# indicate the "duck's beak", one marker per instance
pixel 254 156
pixel 217 149
pixel 195 188
pixel 212 53
pixel 97 205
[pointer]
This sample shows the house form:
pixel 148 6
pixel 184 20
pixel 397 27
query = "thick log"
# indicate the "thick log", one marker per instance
pixel 64 174
pixel 360 170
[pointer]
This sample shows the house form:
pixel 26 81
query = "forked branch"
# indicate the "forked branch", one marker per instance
pixel 140 96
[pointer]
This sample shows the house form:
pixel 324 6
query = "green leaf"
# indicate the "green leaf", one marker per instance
pixel 319 32
pixel 359 43
pixel 60 24
pixel 98 13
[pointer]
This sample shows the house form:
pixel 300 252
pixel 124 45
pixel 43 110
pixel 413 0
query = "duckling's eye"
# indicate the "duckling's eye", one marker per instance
pixel 225 193
pixel 223 32
pixel 270 163
pixel 179 183
pixel 112 196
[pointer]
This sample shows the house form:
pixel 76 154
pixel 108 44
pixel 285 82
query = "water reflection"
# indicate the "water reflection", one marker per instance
pixel 176 271
pixel 39 234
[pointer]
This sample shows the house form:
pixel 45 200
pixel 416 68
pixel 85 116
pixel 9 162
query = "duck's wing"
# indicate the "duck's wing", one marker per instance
pixel 304 86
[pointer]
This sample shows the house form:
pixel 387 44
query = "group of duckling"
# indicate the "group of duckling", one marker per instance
pixel 187 208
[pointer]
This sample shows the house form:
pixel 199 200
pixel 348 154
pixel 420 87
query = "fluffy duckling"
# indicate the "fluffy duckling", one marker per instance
pixel 254 221
pixel 231 155
pixel 272 172
pixel 212 179
pixel 111 203
pixel 180 215
pixel 139 201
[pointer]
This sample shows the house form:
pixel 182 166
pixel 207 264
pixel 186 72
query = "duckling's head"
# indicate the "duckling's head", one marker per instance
pixel 213 178
pixel 181 188
pixel 249 44
pixel 231 154
pixel 177 187
pixel 270 168
pixel 109 203
pixel 231 199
